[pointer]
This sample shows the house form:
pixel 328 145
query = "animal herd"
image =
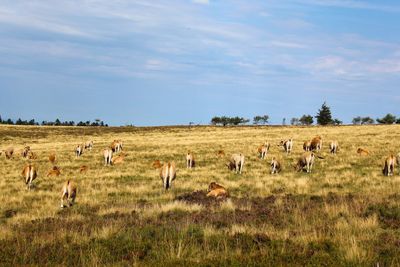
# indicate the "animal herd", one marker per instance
pixel 113 155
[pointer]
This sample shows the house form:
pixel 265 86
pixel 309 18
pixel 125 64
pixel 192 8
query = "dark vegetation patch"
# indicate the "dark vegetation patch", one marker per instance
pixel 200 197
pixel 388 214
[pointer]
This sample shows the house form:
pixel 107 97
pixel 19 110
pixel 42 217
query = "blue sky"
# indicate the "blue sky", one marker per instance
pixel 172 62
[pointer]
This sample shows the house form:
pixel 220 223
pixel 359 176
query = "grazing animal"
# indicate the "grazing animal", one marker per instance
pixel 236 163
pixel 168 174
pixel 118 159
pixel 190 162
pixel 333 147
pixel 79 150
pixel 89 145
pixel 217 191
pixel 68 193
pixel 275 166
pixel 9 152
pixel 116 146
pixel 157 164
pixel 220 154
pixel 25 151
pixel 83 168
pixel 316 143
pixel 307 146
pixel 362 152
pixel 107 154
pixel 1 152
pixel 52 158
pixel 29 173
pixel 55 171
pixel 388 168
pixel 287 145
pixel 307 161
pixel 263 150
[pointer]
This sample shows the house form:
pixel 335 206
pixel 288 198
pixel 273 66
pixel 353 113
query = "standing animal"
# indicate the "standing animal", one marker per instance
pixel 307 146
pixel 217 191
pixel 316 143
pixel 29 173
pixel 9 152
pixel 52 158
pixel 107 154
pixel 306 161
pixel 168 174
pixel 275 166
pixel 79 150
pixel 388 168
pixel 263 150
pixel 236 163
pixel 333 147
pixel 55 171
pixel 190 162
pixel 25 151
pixel 116 146
pixel 287 145
pixel 68 194
pixel 89 145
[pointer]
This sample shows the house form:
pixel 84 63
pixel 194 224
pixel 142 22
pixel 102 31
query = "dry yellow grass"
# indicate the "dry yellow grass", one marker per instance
pixel 340 212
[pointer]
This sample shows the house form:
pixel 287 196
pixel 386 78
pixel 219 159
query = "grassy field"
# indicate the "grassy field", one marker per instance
pixel 344 213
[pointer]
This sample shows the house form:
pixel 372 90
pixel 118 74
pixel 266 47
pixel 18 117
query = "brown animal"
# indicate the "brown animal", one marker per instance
pixel 116 146
pixel 52 158
pixel 362 152
pixel 79 150
pixel 220 154
pixel 190 161
pixel 388 169
pixel 263 150
pixel 89 145
pixel 83 168
pixel 316 143
pixel 217 191
pixel 68 193
pixel 118 159
pixel 157 164
pixel 307 146
pixel 9 152
pixel 29 173
pixel 236 163
pixel 25 151
pixel 275 166
pixel 168 174
pixel 306 161
pixel 107 154
pixel 55 171
pixel 32 155
pixel 287 145
pixel 333 147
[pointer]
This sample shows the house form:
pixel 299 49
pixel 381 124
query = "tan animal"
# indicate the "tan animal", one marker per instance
pixel 108 155
pixel 190 161
pixel 83 168
pixel 68 193
pixel 1 152
pixel 236 163
pixel 25 151
pixel 79 150
pixel 362 152
pixel 9 152
pixel 52 158
pixel 333 147
pixel 168 174
pixel 275 166
pixel 116 146
pixel 55 171
pixel 388 169
pixel 217 191
pixel 220 154
pixel 263 150
pixel 306 161
pixel 287 145
pixel 89 145
pixel 32 155
pixel 307 146
pixel 118 159
pixel 157 164
pixel 316 143
pixel 29 173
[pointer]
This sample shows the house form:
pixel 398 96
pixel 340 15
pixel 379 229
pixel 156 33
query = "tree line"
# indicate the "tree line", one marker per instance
pixel 57 122
pixel 323 117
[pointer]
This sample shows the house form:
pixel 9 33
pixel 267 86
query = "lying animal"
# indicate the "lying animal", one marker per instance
pixel 55 171
pixel 157 164
pixel 118 159
pixel 83 168
pixel 362 152
pixel 217 191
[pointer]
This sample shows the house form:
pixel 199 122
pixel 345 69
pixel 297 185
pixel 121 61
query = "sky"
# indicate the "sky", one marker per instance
pixel 173 62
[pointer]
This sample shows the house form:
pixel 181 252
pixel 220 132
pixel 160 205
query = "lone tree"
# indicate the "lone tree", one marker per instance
pixel 388 119
pixel 324 116
pixel 261 120
pixel 306 120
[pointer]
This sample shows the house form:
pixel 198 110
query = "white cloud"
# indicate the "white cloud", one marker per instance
pixel 202 2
